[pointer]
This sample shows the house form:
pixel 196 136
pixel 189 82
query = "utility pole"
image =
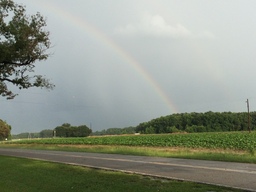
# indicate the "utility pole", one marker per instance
pixel 249 129
pixel 54 133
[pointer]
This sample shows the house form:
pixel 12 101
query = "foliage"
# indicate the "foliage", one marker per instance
pixel 5 130
pixel 220 140
pixel 23 41
pixel 195 128
pixel 198 122
pixel 173 129
pixel 66 130
pixel 150 130
pixel 116 131
pixel 47 133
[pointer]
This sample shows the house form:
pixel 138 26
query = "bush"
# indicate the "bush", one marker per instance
pixel 172 129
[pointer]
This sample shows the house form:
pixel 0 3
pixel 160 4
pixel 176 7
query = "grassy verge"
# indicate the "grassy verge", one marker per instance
pixel 24 175
pixel 177 152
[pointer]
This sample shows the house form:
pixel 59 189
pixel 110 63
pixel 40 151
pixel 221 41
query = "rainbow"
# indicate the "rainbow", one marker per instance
pixel 100 36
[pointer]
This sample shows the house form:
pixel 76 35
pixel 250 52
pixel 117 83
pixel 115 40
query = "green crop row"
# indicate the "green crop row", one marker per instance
pixel 227 140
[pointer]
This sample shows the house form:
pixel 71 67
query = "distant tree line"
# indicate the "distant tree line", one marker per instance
pixel 115 131
pixel 180 122
pixel 66 130
pixel 26 135
pixel 198 122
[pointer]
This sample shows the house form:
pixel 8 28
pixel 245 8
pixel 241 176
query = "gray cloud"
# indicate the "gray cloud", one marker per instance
pixel 153 25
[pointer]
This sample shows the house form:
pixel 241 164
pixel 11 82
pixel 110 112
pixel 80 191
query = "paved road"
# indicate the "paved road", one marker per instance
pixel 237 175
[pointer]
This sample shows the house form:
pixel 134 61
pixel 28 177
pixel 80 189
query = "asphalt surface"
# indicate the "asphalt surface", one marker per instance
pixel 235 175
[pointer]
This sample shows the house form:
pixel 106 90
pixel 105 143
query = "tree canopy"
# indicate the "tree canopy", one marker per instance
pixel 198 122
pixel 66 130
pixel 23 42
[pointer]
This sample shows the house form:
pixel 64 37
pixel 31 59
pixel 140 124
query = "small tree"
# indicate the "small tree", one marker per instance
pixel 60 131
pixel 5 130
pixel 47 133
pixel 84 131
pixel 23 41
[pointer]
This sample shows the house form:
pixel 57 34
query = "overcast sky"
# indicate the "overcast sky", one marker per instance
pixel 117 63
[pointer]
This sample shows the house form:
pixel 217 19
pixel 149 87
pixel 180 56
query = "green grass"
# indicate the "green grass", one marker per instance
pixel 24 175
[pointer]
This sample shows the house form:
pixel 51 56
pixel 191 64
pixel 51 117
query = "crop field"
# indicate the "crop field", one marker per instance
pixel 222 140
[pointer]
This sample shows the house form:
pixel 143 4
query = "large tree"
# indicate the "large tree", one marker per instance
pixel 23 42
